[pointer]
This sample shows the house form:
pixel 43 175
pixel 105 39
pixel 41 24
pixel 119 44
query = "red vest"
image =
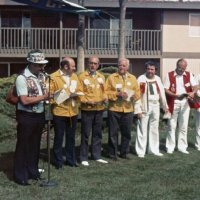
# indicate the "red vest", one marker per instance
pixel 143 85
pixel 172 88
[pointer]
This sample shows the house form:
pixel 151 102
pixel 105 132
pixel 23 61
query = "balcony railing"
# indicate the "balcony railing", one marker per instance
pixel 97 41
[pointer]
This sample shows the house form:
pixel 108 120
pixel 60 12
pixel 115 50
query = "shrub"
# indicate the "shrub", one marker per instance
pixel 6 108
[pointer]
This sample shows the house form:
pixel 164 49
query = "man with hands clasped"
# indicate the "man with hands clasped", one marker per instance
pixel 92 108
pixel 122 90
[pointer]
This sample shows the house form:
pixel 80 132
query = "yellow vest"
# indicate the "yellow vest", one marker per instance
pixel 69 107
pixel 93 89
pixel 116 83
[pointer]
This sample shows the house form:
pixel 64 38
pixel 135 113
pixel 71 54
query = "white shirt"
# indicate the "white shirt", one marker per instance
pixel 180 87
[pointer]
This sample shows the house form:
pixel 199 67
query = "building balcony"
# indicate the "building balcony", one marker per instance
pixel 54 42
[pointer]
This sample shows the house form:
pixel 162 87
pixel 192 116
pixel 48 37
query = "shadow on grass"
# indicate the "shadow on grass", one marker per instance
pixel 6 166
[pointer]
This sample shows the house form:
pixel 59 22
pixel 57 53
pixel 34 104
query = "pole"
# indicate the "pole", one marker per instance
pixel 48 117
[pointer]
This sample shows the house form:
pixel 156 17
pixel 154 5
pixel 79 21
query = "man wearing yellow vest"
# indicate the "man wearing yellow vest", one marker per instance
pixel 65 85
pixel 92 107
pixel 122 90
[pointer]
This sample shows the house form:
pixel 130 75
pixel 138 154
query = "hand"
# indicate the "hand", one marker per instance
pixel 123 95
pixel 139 115
pixel 181 96
pixel 132 98
pixel 47 96
pixel 92 103
pixel 166 110
pixel 105 100
pixel 191 95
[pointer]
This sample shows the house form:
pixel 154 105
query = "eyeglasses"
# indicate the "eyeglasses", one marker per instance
pixel 93 63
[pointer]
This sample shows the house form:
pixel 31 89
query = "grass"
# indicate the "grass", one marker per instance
pixel 171 177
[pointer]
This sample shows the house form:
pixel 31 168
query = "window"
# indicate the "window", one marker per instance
pixel 13 34
pixel 104 32
pixel 194 25
pixel 114 34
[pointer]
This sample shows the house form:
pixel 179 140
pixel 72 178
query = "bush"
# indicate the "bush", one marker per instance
pixel 106 71
pixel 7 116
pixel 6 108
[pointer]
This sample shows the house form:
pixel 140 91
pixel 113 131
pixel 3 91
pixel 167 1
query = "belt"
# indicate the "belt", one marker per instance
pixel 94 104
pixel 153 101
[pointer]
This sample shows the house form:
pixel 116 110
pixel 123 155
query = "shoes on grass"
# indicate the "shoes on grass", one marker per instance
pixel 85 163
pixel 102 161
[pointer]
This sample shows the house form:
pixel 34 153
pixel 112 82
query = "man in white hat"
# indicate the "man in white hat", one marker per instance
pixel 30 118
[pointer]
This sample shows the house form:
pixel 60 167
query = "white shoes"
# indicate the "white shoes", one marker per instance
pixel 184 151
pixel 170 151
pixel 158 154
pixel 85 163
pixel 140 156
pixel 198 148
pixel 102 161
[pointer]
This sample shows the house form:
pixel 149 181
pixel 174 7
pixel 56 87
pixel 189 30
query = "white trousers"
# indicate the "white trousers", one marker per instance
pixel 197 130
pixel 147 128
pixel 180 116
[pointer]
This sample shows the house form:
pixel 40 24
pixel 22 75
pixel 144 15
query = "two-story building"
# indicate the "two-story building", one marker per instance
pixel 160 30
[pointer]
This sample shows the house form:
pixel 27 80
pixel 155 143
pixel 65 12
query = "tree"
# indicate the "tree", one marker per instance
pixel 81 41
pixel 121 50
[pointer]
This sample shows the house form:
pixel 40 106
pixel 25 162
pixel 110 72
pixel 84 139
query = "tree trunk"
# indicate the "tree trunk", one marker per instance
pixel 122 22
pixel 80 41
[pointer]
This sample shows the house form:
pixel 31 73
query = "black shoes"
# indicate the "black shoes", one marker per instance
pixel 113 158
pixel 36 178
pixel 124 156
pixel 58 166
pixel 72 165
pixel 22 182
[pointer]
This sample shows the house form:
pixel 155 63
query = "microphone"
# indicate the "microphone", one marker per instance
pixel 46 74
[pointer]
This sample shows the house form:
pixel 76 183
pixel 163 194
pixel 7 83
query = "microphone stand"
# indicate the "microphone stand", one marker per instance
pixel 48 117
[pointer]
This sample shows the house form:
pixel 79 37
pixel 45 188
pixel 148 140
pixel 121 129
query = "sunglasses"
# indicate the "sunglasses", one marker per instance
pixel 93 63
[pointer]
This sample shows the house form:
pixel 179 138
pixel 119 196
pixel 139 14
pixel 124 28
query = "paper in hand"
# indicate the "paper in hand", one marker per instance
pixel 61 95
pixel 130 93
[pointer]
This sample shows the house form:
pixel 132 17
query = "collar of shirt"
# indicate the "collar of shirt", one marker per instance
pixel 62 74
pixel 175 74
pixel 28 73
pixel 92 73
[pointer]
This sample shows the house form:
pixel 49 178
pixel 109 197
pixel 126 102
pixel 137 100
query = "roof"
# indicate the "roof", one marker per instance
pixel 10 3
pixel 163 4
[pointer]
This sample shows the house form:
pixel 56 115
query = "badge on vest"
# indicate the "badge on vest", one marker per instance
pixel 187 84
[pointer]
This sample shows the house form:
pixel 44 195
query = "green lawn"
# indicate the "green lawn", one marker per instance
pixel 171 177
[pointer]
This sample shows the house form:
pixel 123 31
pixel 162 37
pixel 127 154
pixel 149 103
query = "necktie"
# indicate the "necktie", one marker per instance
pixel 151 91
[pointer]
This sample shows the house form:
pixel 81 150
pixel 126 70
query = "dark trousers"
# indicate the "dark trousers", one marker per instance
pixel 91 120
pixel 29 130
pixel 123 122
pixel 67 126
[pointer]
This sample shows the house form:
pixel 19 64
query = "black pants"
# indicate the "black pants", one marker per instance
pixel 119 121
pixel 91 120
pixel 67 126
pixel 29 130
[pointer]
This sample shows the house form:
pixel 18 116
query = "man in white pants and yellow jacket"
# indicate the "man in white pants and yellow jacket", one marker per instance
pixel 148 111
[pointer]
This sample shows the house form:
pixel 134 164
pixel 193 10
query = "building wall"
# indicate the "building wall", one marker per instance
pixel 169 64
pixel 176 33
